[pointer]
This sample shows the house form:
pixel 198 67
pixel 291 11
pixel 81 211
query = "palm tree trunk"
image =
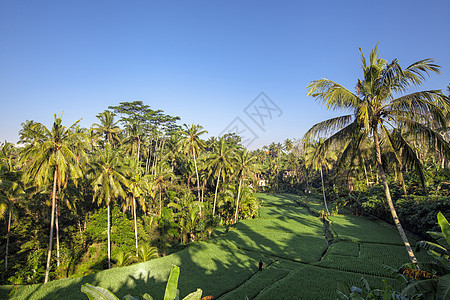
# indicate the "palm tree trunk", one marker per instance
pixel 203 189
pixel 307 184
pixel 57 235
pixel 160 203
pixel 7 241
pixel 138 150
pixel 237 202
pixel 215 195
pixel 147 162
pixel 155 153
pixel 402 181
pixel 196 173
pixel 161 149
pixel 389 199
pixel 52 223
pixel 365 172
pixel 109 239
pixel 323 190
pixel 135 225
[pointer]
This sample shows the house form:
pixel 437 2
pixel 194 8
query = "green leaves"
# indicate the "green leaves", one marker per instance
pixel 443 287
pixel 445 227
pixel 171 287
pixel 97 292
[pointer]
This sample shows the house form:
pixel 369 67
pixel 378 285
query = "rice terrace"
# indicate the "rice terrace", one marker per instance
pixel 301 260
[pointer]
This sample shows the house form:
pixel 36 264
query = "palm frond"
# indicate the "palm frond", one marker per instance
pixel 430 104
pixel 408 156
pixel 327 127
pixel 433 139
pixel 351 150
pixel 332 94
pixel 415 73
pixel 338 139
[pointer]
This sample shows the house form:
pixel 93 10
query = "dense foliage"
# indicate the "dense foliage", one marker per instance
pixel 133 186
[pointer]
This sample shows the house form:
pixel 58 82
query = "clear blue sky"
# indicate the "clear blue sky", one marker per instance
pixel 204 61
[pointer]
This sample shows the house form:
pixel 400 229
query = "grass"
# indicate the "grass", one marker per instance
pixel 370 259
pixel 287 237
pixel 312 282
pixel 363 230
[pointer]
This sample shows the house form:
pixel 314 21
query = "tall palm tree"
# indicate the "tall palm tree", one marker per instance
pixel 134 137
pixel 246 166
pixel 318 161
pixel 138 186
pixel 221 162
pixel 379 110
pixel 160 180
pixel 107 127
pixel 52 153
pixel 11 192
pixel 109 182
pixel 191 144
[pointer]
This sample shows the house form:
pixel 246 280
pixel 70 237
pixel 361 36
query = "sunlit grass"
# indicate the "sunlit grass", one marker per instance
pixel 360 229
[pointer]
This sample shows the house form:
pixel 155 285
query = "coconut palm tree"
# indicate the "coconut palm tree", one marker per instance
pixel 191 144
pixel 51 153
pixel 11 192
pixel 221 162
pixel 246 166
pixel 380 110
pixel 107 128
pixel 138 186
pixel 109 182
pixel 134 137
pixel 160 180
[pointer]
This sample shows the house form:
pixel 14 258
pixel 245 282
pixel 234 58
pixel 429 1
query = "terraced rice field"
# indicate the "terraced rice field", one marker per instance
pixel 288 237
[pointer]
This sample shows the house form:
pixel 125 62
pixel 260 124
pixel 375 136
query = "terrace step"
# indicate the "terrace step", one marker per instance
pixel 258 282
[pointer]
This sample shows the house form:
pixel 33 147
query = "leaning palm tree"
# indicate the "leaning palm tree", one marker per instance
pixel 246 166
pixel 379 110
pixel 51 153
pixel 191 144
pixel 109 182
pixel 221 162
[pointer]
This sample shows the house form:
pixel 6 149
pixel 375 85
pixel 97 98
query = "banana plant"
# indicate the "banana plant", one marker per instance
pixel 171 293
pixel 436 286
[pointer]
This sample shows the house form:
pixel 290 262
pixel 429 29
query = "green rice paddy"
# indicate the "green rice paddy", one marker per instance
pixel 287 237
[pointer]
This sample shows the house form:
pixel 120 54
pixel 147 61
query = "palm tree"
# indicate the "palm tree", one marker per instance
pixel 319 161
pixel 246 166
pixel 10 193
pixel 138 186
pixel 51 153
pixel 109 182
pixel 135 135
pixel 191 144
pixel 221 162
pixel 107 127
pixel 161 178
pixel 378 108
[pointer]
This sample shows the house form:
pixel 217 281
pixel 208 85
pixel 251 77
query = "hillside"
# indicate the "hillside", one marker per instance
pixel 288 237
